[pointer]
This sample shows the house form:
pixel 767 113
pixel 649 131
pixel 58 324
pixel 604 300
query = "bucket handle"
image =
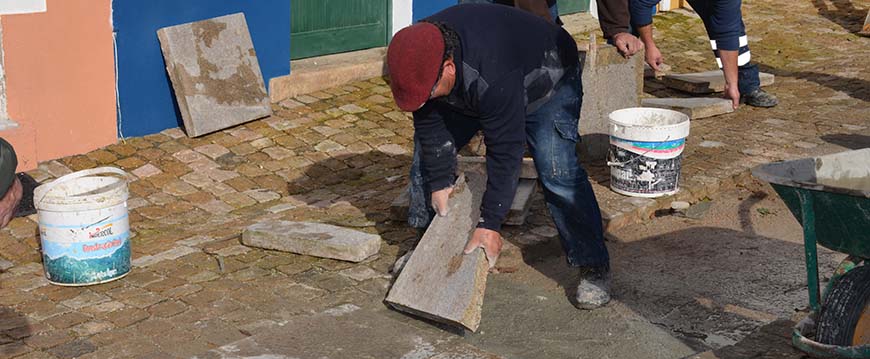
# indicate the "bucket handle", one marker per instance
pixel 80 174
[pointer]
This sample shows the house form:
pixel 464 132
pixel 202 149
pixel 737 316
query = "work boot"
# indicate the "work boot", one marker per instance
pixel 594 289
pixel 760 98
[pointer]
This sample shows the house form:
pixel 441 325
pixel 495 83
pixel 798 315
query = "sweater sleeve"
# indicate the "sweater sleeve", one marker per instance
pixel 438 153
pixel 613 16
pixel 504 132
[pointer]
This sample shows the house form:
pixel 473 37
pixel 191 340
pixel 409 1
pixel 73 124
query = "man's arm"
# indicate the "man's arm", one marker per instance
pixel 613 17
pixel 729 68
pixel 438 154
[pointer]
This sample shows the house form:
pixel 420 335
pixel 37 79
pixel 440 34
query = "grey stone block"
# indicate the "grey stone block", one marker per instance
pixel 695 108
pixel 313 239
pixel 439 282
pixel 610 82
pixel 706 82
pixel 215 74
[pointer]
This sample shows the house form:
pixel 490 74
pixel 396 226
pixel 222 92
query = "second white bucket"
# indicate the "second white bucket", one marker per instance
pixel 84 227
pixel 646 147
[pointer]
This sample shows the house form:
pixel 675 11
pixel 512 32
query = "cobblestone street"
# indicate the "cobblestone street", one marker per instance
pixel 341 156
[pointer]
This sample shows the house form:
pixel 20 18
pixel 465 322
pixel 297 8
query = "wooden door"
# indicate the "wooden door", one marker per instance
pixel 320 27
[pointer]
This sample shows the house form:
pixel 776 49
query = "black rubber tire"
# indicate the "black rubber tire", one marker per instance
pixel 843 306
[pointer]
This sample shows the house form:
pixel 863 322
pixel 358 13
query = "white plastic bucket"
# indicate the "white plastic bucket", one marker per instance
pixel 646 147
pixel 84 227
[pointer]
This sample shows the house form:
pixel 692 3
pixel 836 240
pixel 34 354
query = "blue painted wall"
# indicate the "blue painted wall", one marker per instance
pixel 147 104
pixel 424 8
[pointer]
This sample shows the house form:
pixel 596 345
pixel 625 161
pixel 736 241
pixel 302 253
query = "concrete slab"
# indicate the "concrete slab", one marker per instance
pixel 522 202
pixel 610 82
pixel 706 82
pixel 439 282
pixel 215 74
pixel 314 239
pixel 695 108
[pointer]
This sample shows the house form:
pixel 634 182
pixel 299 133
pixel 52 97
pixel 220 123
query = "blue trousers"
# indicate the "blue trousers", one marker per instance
pixel 552 136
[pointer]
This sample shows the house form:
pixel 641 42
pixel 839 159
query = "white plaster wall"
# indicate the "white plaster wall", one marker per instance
pixel 21 6
pixel 402 14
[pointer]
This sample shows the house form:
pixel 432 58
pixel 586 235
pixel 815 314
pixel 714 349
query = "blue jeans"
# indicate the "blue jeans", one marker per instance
pixel 552 137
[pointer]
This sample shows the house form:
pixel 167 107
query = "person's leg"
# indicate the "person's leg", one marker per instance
pixel 10 186
pixel 552 137
pixel 420 212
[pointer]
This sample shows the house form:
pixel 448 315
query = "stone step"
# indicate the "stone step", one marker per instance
pixel 695 108
pixel 706 82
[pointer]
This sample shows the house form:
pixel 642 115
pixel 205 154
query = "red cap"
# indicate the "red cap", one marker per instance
pixel 414 61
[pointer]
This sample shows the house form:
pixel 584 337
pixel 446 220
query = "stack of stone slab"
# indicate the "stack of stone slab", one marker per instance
pixel 698 83
pixel 520 206
pixel 439 282
pixel 214 73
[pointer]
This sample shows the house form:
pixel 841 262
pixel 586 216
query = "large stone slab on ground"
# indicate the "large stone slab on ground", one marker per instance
pixel 522 202
pixel 215 74
pixel 706 82
pixel 313 239
pixel 439 282
pixel 610 82
pixel 695 108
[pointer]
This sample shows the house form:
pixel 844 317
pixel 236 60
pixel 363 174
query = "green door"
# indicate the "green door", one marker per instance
pixel 319 27
pixel 568 7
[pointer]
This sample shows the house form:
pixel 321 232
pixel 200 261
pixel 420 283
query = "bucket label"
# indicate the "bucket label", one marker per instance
pixel 636 173
pixel 657 150
pixel 85 254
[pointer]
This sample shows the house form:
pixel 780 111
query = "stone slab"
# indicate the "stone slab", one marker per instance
pixel 313 239
pixel 695 108
pixel 323 72
pixel 610 82
pixel 522 203
pixel 215 74
pixel 439 282
pixel 706 82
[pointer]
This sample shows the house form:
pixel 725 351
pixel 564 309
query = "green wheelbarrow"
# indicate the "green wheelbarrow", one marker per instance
pixel 830 197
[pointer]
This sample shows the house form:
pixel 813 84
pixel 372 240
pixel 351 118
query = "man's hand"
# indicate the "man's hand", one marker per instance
pixel 439 201
pixel 627 44
pixel 653 57
pixel 9 202
pixel 732 93
pixel 487 239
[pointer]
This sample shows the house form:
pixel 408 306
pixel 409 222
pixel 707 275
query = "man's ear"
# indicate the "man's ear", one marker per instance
pixel 449 67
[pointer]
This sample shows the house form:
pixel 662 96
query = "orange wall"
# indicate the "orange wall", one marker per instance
pixel 60 80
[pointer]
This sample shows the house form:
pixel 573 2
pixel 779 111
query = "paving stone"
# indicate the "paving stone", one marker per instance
pixel 328 146
pixel 806 145
pixel 320 240
pixel 146 170
pixel 86 299
pixel 13 349
pixel 361 273
pixel 352 108
pixel 262 195
pixel 167 309
pixel 174 133
pixel 48 339
pixel 278 153
pixel 91 328
pixel 393 149
pixel 67 320
pixel 220 175
pixel 695 108
pixel 545 231
pixel 711 144
pixel 55 168
pixel 188 156
pixel 216 207
pixel 215 73
pixel 73 349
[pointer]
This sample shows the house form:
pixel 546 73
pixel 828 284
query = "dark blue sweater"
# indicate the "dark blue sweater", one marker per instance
pixel 508 65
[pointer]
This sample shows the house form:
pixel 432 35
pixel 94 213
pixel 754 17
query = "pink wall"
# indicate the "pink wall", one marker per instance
pixel 60 80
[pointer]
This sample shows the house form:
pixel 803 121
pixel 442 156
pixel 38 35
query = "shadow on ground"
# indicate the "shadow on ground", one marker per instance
pixel 842 12
pixel 848 140
pixel 13 329
pixel 707 286
pixel 855 88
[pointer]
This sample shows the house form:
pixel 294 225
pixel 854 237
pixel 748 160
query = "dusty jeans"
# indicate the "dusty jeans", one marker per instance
pixel 552 137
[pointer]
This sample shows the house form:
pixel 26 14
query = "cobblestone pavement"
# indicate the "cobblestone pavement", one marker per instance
pixel 341 156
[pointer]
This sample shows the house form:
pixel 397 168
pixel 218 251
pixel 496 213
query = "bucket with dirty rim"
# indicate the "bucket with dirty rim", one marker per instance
pixel 646 146
pixel 84 227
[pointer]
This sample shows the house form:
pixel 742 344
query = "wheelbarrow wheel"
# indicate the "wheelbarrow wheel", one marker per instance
pixel 845 316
